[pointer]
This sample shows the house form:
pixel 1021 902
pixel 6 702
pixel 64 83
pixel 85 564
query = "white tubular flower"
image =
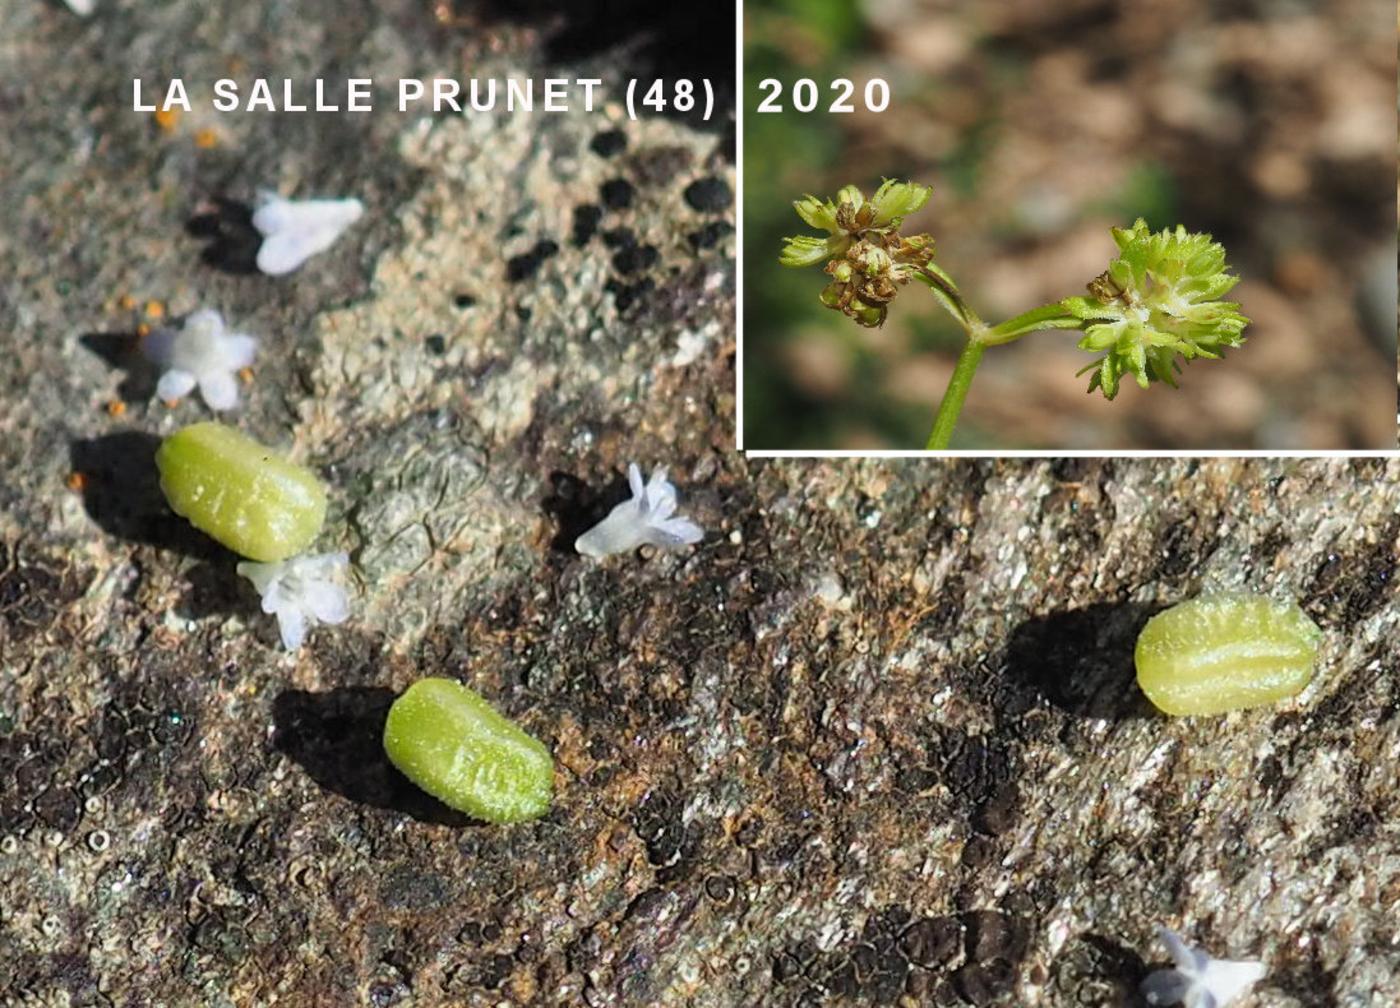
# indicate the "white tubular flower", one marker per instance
pixel 301 592
pixel 295 230
pixel 82 8
pixel 201 352
pixel 646 518
pixel 1198 981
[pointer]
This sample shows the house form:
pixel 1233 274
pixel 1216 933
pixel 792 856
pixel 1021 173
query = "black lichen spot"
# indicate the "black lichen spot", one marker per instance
pixel 1080 470
pixel 1093 970
pixel 1184 546
pixel 975 766
pixel 586 218
pixel 720 888
pixel 635 260
pixel 658 824
pixel 525 265
pixel 709 195
pixel 995 935
pixel 31 596
pixel 406 887
pixel 985 983
pixel 609 143
pixel 463 300
pixel 978 852
pixel 385 993
pixel 671 844
pixel 620 238
pixel 496 971
pixel 749 832
pixel 626 295
pixel 436 344
pixel 710 235
pixel 616 194
pixel 932 941
pixel 999 811
pixel 649 906
pixel 58 809
pixel 1347 589
pixel 786 967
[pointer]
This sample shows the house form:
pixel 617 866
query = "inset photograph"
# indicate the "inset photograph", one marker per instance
pixel 1070 225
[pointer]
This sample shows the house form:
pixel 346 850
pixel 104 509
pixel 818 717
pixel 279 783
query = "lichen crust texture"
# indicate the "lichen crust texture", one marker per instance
pixel 1220 653
pixel 241 493
pixel 458 748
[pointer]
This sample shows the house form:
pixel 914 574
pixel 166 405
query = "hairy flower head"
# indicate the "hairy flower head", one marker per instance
pixel 1158 299
pixel 864 252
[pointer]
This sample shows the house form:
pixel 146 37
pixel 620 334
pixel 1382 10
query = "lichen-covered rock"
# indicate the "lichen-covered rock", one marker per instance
pixel 876 737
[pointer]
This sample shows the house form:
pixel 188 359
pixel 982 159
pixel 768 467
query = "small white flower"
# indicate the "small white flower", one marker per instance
pixel 302 592
pixel 201 352
pixel 1198 981
pixel 80 7
pixel 646 518
pixel 295 230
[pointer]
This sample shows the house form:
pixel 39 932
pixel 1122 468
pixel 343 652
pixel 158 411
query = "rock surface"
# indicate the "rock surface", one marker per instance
pixel 875 739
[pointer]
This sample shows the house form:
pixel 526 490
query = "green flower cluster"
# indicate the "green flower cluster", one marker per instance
pixel 1158 299
pixel 865 255
pixel 1157 304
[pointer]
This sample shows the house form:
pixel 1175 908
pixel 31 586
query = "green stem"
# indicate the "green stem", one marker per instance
pixel 1050 316
pixel 956 394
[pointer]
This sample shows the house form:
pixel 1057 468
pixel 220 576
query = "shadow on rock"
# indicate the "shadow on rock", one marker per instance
pixel 121 493
pixel 576 508
pixel 122 350
pixel 1081 660
pixel 216 588
pixel 233 241
pixel 337 738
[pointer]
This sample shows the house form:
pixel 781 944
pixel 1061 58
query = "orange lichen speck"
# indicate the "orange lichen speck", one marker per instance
pixel 167 119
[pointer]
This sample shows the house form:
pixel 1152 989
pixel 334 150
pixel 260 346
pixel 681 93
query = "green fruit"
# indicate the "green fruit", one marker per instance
pixel 1225 652
pixel 455 746
pixel 242 494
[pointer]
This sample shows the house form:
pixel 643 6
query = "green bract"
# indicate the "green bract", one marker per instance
pixel 1220 653
pixel 239 492
pixel 455 746
pixel 1158 299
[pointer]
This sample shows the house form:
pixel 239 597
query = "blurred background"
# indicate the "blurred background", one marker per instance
pixel 1040 124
